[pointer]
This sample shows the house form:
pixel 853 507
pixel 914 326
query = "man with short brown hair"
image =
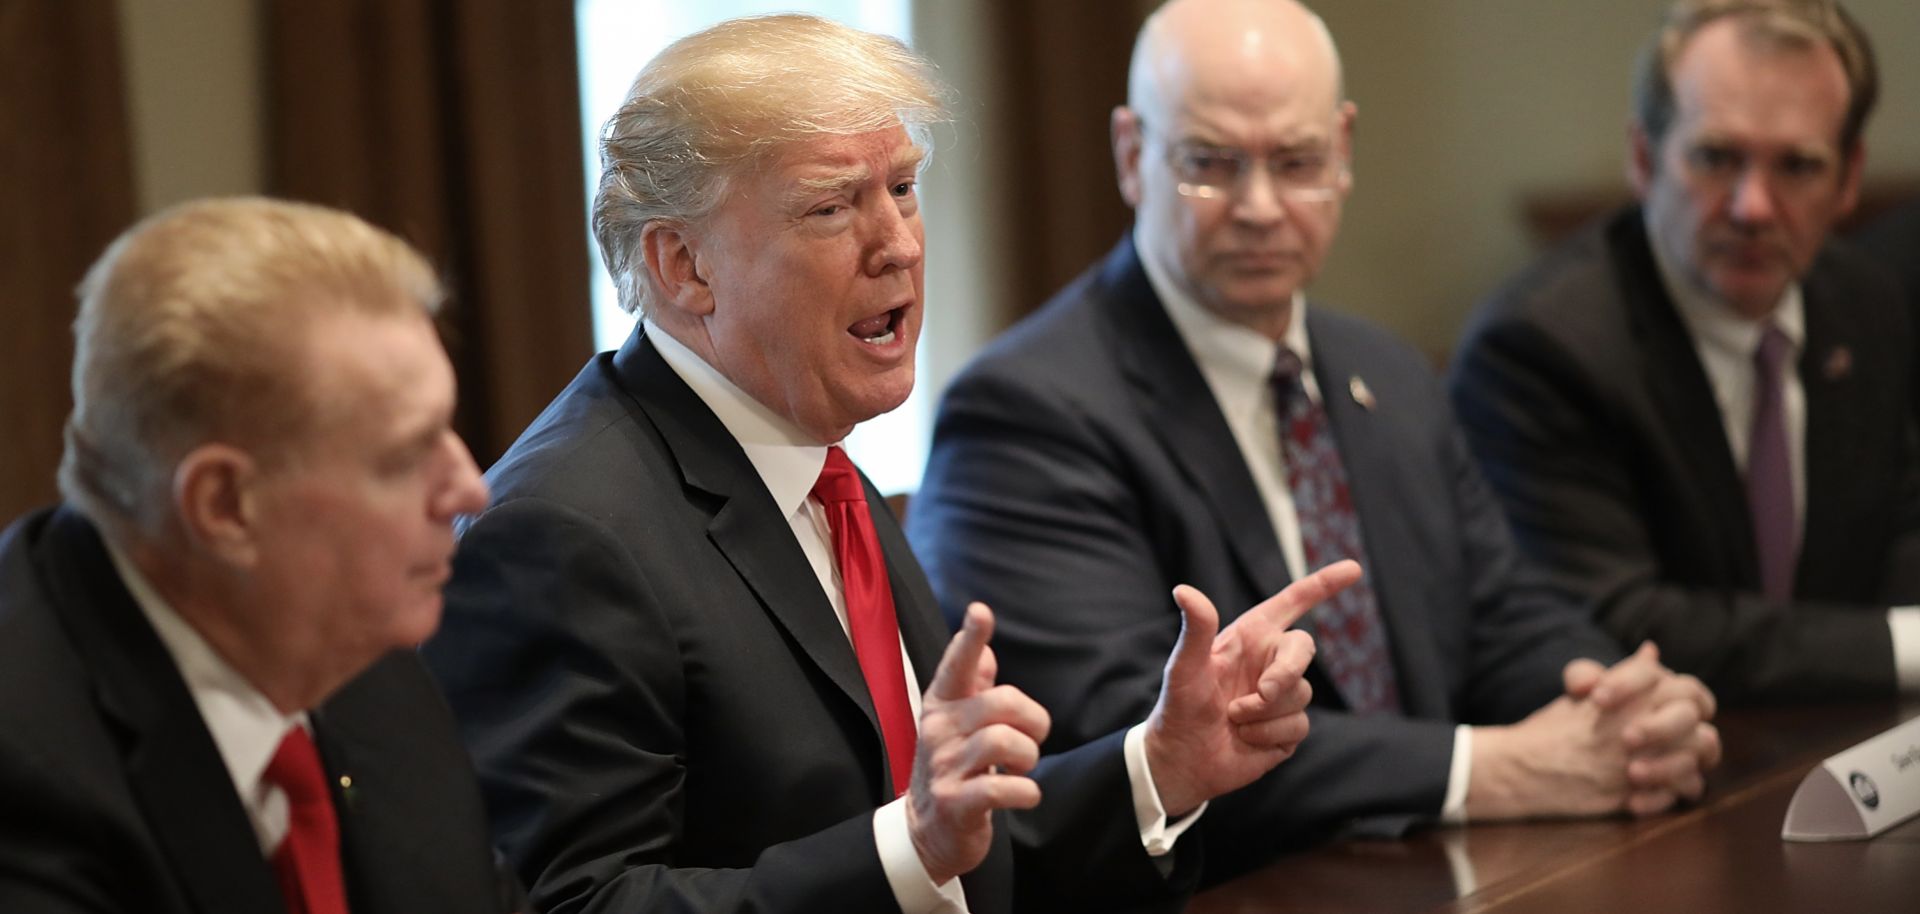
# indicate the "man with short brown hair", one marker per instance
pixel 1698 413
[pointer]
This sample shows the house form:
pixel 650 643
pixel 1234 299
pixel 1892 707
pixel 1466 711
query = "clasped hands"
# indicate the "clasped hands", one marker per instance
pixel 1232 705
pixel 1634 737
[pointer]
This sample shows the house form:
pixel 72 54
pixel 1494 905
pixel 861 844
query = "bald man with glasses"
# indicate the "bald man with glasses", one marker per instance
pixel 1181 413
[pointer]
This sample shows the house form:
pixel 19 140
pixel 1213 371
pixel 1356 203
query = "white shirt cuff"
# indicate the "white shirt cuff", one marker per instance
pixel 1453 809
pixel 1905 623
pixel 906 875
pixel 1157 835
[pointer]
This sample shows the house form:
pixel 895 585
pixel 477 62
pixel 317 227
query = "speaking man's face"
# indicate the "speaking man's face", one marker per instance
pixel 814 265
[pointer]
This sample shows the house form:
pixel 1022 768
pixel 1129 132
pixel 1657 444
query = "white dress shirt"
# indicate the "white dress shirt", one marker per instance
pixel 1725 343
pixel 1237 363
pixel 789 463
pixel 246 727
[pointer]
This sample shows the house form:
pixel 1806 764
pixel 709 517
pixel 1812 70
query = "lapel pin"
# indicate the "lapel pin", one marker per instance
pixel 1362 394
pixel 1839 363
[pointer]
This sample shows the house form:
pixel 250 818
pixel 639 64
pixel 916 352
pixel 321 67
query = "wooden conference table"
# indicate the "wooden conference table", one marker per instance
pixel 1723 855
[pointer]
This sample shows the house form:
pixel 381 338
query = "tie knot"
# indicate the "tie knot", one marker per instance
pixel 1287 369
pixel 296 769
pixel 1773 349
pixel 839 481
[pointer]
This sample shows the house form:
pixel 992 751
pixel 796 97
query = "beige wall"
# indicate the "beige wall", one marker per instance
pixel 194 95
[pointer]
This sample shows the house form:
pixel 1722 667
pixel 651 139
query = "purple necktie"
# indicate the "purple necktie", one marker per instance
pixel 1770 470
pixel 1352 641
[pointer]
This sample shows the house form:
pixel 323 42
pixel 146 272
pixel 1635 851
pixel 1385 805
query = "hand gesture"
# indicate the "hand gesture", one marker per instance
pixel 1231 707
pixel 977 743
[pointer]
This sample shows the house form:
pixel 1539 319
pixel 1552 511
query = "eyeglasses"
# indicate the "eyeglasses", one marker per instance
pixel 1212 172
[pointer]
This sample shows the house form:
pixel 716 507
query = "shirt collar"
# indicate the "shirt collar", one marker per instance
pixel 1716 325
pixel 1226 351
pixel 245 725
pixel 788 460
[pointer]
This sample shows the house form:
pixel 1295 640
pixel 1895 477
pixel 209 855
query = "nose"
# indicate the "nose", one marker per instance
pixel 465 492
pixel 1753 201
pixel 897 242
pixel 1256 198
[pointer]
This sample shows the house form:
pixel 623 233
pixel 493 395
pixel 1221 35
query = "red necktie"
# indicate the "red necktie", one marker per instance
pixel 308 860
pixel 870 614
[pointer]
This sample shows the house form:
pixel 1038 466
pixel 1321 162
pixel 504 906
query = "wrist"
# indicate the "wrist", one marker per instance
pixel 1178 796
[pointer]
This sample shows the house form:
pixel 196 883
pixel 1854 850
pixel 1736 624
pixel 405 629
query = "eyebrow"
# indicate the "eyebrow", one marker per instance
pixel 909 159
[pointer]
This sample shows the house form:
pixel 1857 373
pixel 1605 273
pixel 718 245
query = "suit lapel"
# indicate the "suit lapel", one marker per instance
pixel 1370 455
pixel 746 525
pixel 1681 394
pixel 922 629
pixel 173 766
pixel 1827 375
pixel 1180 409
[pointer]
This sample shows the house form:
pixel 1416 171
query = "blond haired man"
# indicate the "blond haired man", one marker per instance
pixel 687 641
pixel 208 698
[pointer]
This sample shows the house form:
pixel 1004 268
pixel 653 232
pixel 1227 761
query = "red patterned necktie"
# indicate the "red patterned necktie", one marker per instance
pixel 308 859
pixel 870 613
pixel 1351 639
pixel 1770 470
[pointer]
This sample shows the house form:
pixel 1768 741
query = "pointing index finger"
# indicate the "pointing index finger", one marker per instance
pixel 1293 601
pixel 959 666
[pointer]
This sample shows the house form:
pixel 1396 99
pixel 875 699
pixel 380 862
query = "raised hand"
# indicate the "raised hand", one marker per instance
pixel 977 743
pixel 1233 706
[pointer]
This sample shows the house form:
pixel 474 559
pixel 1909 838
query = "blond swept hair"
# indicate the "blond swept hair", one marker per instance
pixel 716 103
pixel 189 331
pixel 1792 24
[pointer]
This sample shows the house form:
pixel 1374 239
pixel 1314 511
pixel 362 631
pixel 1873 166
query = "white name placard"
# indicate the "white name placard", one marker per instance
pixel 1860 792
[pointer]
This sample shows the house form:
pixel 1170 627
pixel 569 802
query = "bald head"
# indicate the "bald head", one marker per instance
pixel 1211 45
pixel 1233 151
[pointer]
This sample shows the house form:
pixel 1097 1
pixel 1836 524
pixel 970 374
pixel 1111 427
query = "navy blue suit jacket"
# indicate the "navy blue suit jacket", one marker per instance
pixel 113 796
pixel 664 710
pixel 1582 393
pixel 1081 469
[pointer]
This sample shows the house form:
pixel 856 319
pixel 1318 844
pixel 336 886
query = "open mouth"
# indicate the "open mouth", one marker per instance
pixel 880 329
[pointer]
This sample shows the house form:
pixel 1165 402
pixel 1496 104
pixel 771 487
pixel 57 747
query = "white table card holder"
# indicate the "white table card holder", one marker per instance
pixel 1860 792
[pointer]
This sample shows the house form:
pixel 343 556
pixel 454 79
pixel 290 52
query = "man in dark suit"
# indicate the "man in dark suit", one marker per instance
pixel 1698 413
pixel 261 483
pixel 1132 436
pixel 687 643
pixel 1894 240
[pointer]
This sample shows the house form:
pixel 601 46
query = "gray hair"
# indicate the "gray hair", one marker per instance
pixel 188 324
pixel 717 102
pixel 1797 24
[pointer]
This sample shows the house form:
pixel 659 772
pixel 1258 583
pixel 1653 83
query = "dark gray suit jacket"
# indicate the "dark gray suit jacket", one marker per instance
pixel 1081 469
pixel 113 796
pixel 665 712
pixel 1582 394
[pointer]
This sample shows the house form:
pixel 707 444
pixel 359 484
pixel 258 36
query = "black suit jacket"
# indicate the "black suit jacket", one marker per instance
pixel 1081 469
pixel 1583 396
pixel 664 709
pixel 113 796
pixel 1894 240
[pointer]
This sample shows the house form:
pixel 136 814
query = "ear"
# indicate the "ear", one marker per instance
pixel 214 499
pixel 673 262
pixel 1349 116
pixel 1855 166
pixel 1642 159
pixel 1125 128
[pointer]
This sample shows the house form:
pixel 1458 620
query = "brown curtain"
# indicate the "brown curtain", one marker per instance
pixel 66 189
pixel 1064 68
pixel 455 124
